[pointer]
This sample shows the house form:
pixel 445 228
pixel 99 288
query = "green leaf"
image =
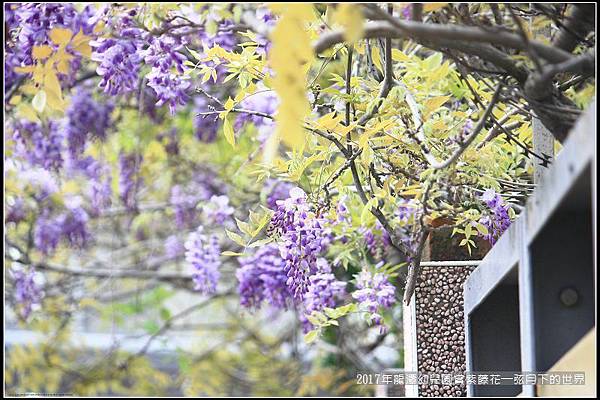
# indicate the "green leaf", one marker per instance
pixel 165 314
pixel 151 327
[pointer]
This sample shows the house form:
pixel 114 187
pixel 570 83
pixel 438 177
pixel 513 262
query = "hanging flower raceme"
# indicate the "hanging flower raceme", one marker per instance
pixel 323 289
pixel 374 292
pixel 46 233
pixel 498 219
pixel 277 190
pixel 39 144
pixel 218 209
pixel 261 277
pixel 129 166
pixel 28 292
pixel 203 254
pixel 205 125
pixel 184 203
pixel 173 247
pixel 119 61
pixel 86 119
pixel 304 237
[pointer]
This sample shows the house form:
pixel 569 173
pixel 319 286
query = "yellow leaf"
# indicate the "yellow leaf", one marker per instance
pixel 376 56
pixel 351 18
pixel 290 59
pixel 29 89
pixel 229 104
pixel 60 36
pixel 99 26
pixel 228 132
pixel 81 44
pixel 429 7
pixel 25 70
pixel 41 52
pixel 433 104
pixel 84 49
pixel 53 91
pixel 16 99
pixel 398 55
pixel 63 66
pixel 26 111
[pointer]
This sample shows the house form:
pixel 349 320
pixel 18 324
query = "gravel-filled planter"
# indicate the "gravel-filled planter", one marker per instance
pixel 440 326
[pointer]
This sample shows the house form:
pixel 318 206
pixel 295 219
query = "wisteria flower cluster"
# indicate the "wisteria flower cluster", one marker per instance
pixel 70 225
pixel 323 290
pixel 262 277
pixel 218 209
pixel 86 119
pixel 304 236
pixel 277 190
pixel 374 292
pixel 40 145
pixel 498 219
pixel 377 240
pixel 203 253
pixel 28 292
pixel 129 179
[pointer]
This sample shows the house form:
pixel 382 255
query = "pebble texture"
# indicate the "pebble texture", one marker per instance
pixel 440 327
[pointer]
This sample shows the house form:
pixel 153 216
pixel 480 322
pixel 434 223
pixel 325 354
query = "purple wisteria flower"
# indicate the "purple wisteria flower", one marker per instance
pixel 205 125
pixel 203 254
pixel 99 177
pixel 74 223
pixel 29 25
pixel 261 277
pixel 163 54
pixel 47 233
pixel 218 209
pixel 170 140
pixel 374 293
pixel 263 101
pixel 42 182
pixel 119 62
pixel 304 238
pixel 40 145
pixel 498 220
pixel 377 240
pixel 323 291
pixel 343 215
pixel 16 212
pixel 170 88
pixel 129 165
pixel 464 133
pixel 173 247
pixel 86 119
pixel 406 209
pixel 277 190
pixel 28 292
pixel 184 201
